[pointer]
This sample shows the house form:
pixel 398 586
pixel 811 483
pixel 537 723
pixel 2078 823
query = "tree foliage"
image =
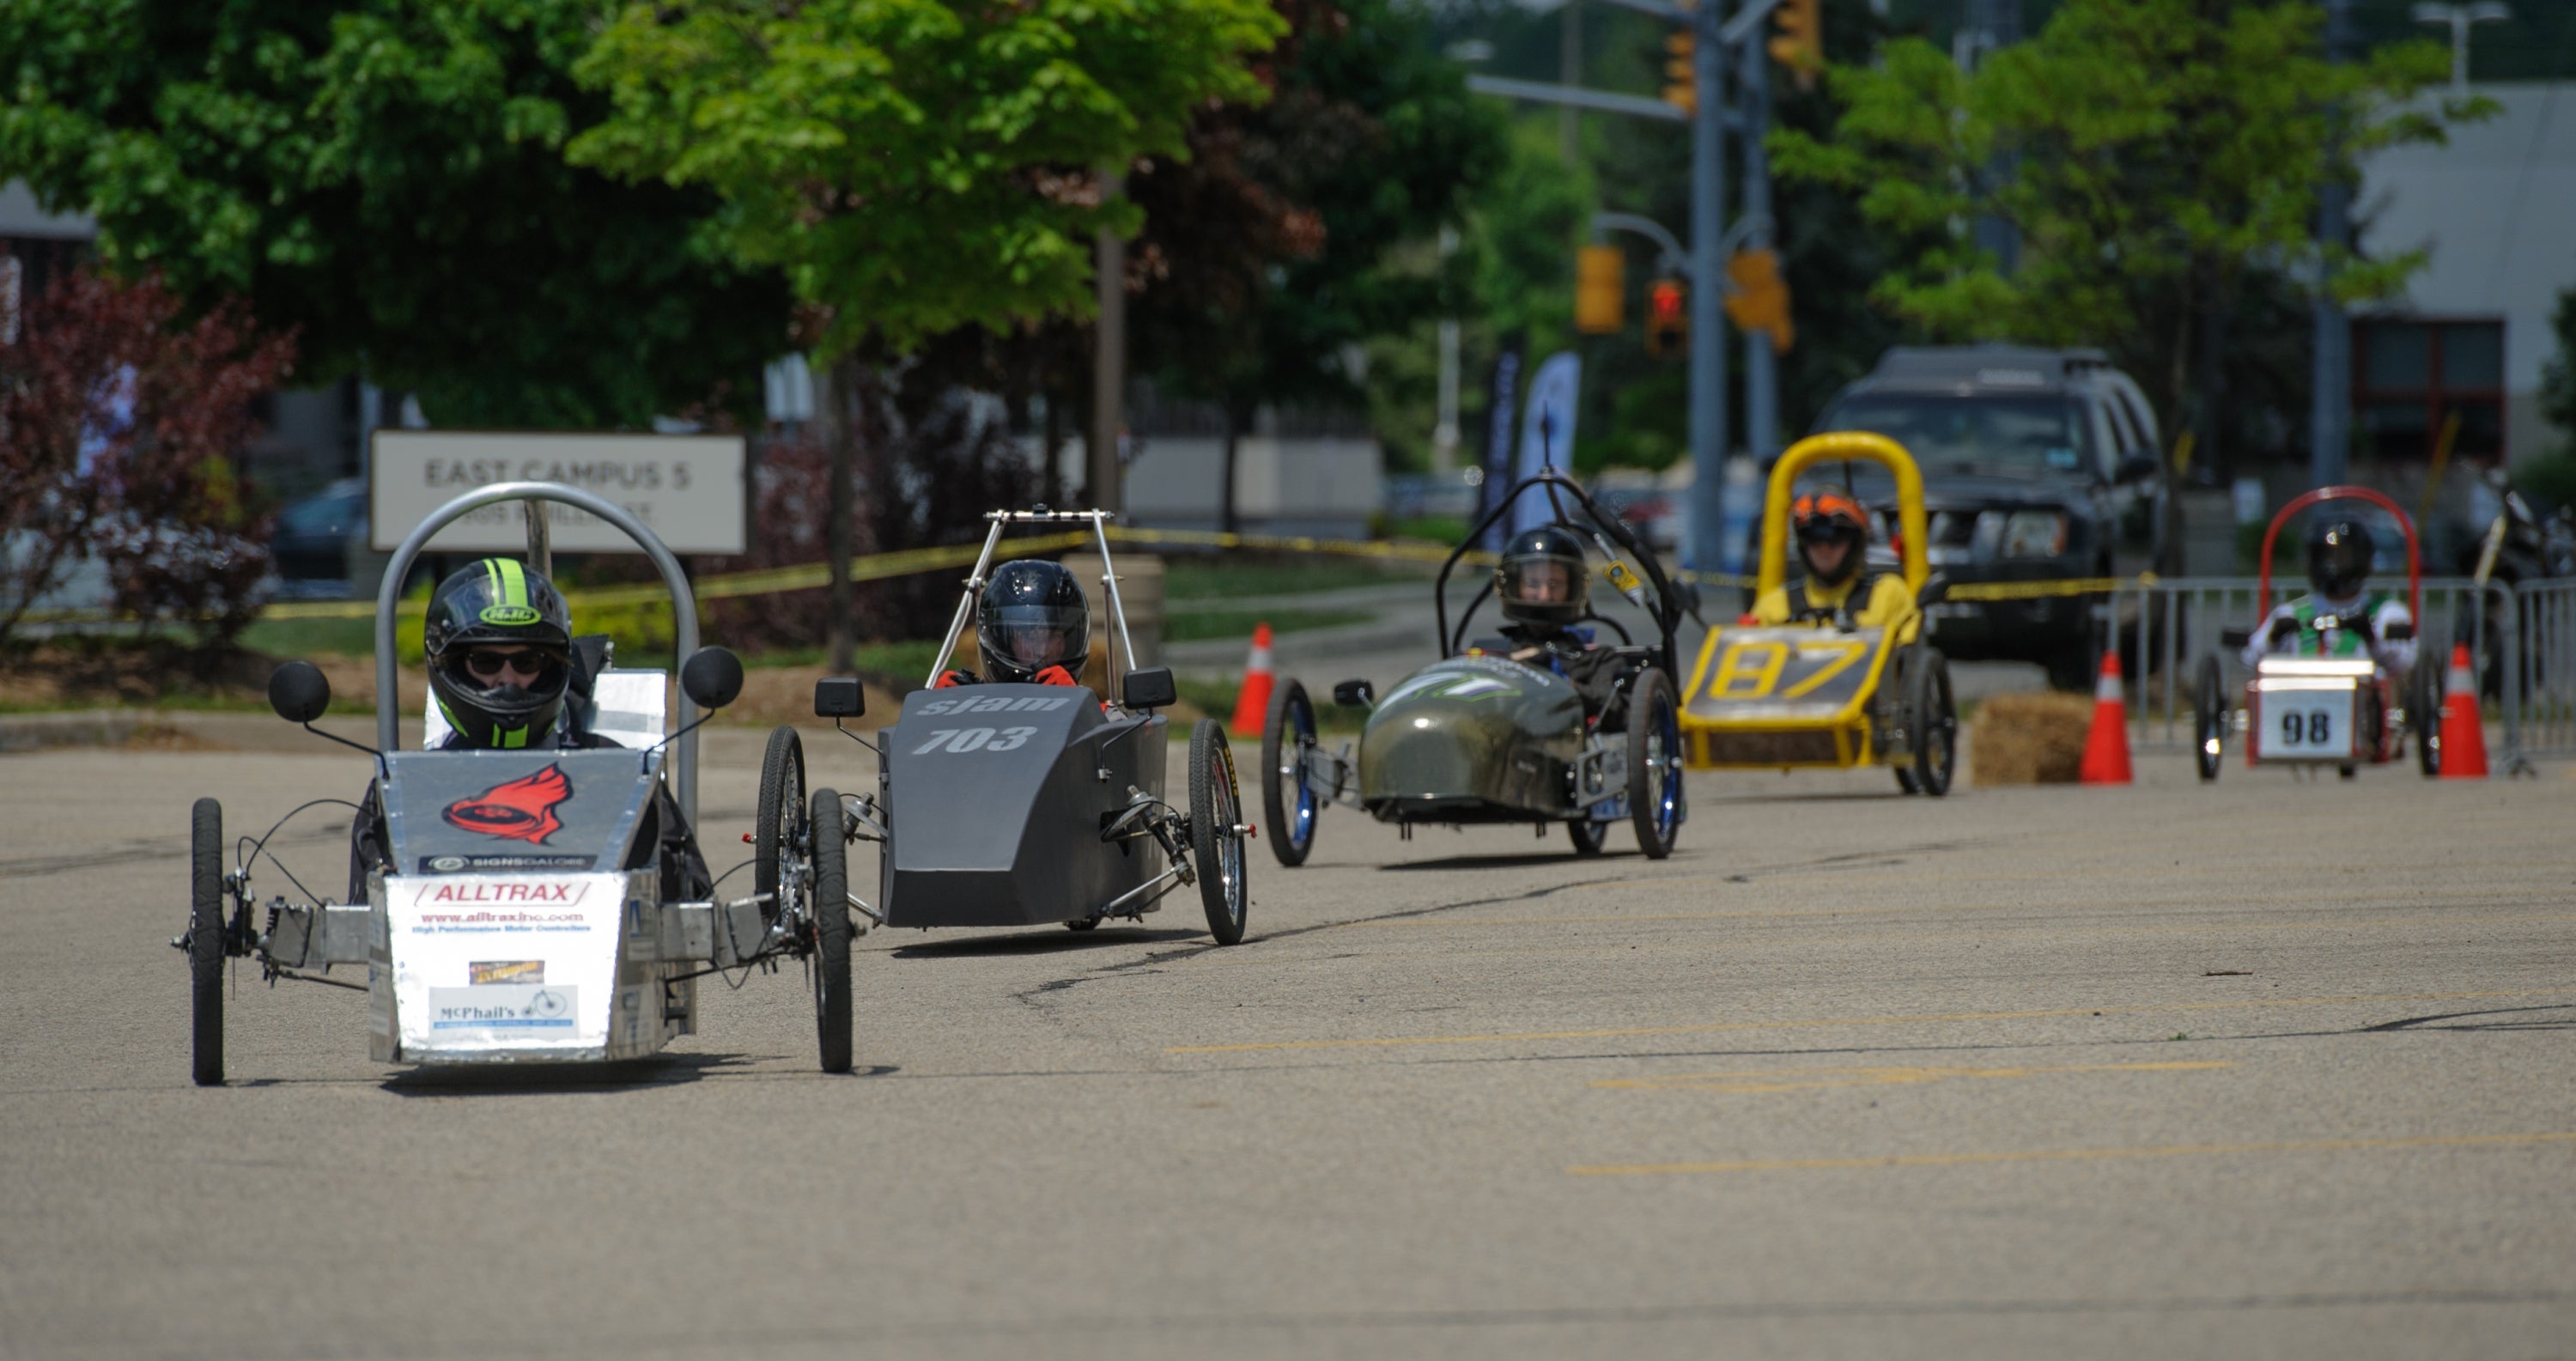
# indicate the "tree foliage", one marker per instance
pixel 2149 154
pixel 118 426
pixel 387 178
pixel 913 166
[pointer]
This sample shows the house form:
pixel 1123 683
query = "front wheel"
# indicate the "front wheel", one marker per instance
pixel 1287 806
pixel 830 961
pixel 1655 802
pixel 1216 844
pixel 2424 714
pixel 1932 720
pixel 780 828
pixel 1588 836
pixel 206 938
pixel 2208 719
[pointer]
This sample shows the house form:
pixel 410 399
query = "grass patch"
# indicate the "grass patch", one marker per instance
pixel 1238 575
pixel 1200 625
pixel 1440 529
pixel 315 637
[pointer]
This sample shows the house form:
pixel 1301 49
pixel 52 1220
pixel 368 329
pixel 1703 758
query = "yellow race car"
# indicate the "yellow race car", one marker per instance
pixel 1835 694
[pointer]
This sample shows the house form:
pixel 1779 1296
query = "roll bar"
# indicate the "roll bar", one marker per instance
pixel 684 607
pixel 976 581
pixel 1836 447
pixel 2305 499
pixel 1669 608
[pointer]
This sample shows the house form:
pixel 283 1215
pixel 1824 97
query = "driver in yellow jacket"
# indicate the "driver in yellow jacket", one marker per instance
pixel 1839 590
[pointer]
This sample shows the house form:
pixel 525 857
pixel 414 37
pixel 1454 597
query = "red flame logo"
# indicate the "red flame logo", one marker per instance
pixel 521 810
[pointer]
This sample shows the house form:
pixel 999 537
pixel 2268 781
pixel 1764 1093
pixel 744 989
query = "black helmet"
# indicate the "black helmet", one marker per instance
pixel 2339 553
pixel 1541 579
pixel 498 603
pixel 1032 617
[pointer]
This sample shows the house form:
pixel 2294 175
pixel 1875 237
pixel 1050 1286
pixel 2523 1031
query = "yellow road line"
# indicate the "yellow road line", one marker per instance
pixel 1719 1027
pixel 2125 907
pixel 2070 1154
pixel 1809 1079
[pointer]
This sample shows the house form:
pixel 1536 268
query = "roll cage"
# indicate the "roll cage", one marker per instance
pixel 1605 529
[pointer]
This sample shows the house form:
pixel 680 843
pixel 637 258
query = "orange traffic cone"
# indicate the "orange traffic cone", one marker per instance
pixel 2106 748
pixel 1252 703
pixel 2464 737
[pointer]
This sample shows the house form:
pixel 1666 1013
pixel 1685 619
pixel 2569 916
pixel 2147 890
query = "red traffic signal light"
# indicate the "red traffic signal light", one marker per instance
pixel 1667 317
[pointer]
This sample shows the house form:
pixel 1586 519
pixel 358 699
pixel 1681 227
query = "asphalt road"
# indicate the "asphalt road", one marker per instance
pixel 2260 1070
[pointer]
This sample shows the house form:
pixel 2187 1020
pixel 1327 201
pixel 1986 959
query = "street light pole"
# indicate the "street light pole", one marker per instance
pixel 1708 266
pixel 1761 361
pixel 2330 382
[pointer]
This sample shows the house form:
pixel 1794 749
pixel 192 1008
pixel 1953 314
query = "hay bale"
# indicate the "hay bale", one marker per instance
pixel 2029 738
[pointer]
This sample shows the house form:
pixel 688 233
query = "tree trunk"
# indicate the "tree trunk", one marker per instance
pixel 839 605
pixel 1226 519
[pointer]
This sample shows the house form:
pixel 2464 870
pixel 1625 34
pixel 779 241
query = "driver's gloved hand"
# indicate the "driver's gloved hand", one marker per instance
pixel 2283 630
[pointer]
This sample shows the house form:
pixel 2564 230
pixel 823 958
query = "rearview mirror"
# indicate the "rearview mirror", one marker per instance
pixel 1357 694
pixel 839 697
pixel 1935 590
pixel 299 692
pixel 711 678
pixel 2135 468
pixel 2235 637
pixel 2399 633
pixel 1150 688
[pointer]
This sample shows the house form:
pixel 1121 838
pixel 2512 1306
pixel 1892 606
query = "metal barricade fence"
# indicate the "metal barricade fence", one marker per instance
pixel 2540 674
pixel 2165 625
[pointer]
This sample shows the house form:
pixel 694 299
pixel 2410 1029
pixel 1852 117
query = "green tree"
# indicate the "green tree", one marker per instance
pixel 2153 157
pixel 1303 229
pixel 386 180
pixel 914 167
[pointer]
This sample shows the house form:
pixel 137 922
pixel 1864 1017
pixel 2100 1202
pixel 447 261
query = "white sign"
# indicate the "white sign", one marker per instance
pixel 2308 725
pixel 688 488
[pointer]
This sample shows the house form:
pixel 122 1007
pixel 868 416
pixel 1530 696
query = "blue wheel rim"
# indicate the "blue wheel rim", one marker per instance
pixel 1668 791
pixel 1301 720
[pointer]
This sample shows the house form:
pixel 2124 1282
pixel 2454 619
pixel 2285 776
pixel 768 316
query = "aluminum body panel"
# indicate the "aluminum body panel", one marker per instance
pixel 545 811
pixel 1472 739
pixel 995 797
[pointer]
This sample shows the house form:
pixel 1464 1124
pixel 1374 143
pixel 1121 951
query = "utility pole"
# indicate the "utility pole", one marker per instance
pixel 1708 267
pixel 2330 412
pixel 1991 25
pixel 1761 361
pixel 1101 473
pixel 1569 71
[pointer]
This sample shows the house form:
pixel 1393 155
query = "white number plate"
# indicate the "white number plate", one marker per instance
pixel 2294 726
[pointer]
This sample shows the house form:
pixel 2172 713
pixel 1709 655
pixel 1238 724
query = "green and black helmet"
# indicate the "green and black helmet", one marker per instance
pixel 500 645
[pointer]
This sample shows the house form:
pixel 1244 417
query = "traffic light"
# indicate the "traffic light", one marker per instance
pixel 1681 83
pixel 1760 301
pixel 1667 322
pixel 1800 44
pixel 1600 283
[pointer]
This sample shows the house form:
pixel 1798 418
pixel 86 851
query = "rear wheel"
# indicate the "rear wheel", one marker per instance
pixel 830 961
pixel 1216 848
pixel 782 810
pixel 1931 720
pixel 1588 836
pixel 206 938
pixel 2208 718
pixel 1287 805
pixel 1654 763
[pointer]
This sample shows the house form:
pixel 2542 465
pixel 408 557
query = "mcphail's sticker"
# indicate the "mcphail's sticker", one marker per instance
pixel 503 1006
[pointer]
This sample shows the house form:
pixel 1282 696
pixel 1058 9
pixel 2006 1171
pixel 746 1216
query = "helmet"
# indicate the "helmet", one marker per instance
pixel 1541 579
pixel 1830 517
pixel 1032 617
pixel 497 603
pixel 2339 553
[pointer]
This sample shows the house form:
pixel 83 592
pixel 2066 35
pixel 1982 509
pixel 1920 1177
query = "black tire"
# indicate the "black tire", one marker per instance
pixel 830 963
pixel 1083 925
pixel 1656 805
pixel 782 810
pixel 1905 781
pixel 1589 836
pixel 1216 849
pixel 1288 809
pixel 1931 720
pixel 2209 718
pixel 206 938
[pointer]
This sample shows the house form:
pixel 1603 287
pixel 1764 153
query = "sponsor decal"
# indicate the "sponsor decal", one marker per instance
pixel 511 892
pixel 502 1006
pixel 516 810
pixel 994 704
pixel 486 971
pixel 511 616
pixel 450 864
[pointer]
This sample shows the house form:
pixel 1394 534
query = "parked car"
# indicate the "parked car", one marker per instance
pixel 2038 465
pixel 1646 502
pixel 311 546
